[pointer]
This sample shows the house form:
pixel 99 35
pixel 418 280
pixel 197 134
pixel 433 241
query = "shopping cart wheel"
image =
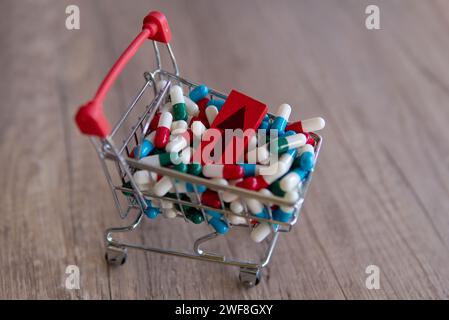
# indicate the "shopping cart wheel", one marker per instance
pixel 116 256
pixel 250 277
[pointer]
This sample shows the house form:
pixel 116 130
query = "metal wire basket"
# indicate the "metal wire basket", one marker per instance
pixel 126 193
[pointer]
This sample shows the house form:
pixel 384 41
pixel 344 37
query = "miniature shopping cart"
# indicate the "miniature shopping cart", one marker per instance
pixel 119 167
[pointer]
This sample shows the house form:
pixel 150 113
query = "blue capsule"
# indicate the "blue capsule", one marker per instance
pixel 249 169
pixel 281 215
pixel 216 222
pixel 199 93
pixel 307 161
pixel 217 103
pixel 219 225
pixel 145 149
pixel 281 119
pixel 150 211
pixel 287 133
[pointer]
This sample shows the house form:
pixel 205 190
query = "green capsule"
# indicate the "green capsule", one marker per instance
pixel 166 159
pixel 180 112
pixel 194 215
pixel 128 186
pixel 195 168
pixel 276 188
pixel 157 151
pixel 181 167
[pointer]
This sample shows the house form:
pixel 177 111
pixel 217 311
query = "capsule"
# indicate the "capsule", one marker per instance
pixel 200 92
pixel 251 169
pixel 178 103
pixel 218 103
pixel 167 108
pixel 308 125
pixel 264 125
pixel 155 121
pixel 145 147
pixel 195 168
pixel 306 158
pixel 161 84
pixel 198 129
pixel 192 108
pixel 161 160
pixel 284 213
pixel 259 233
pixel 144 179
pixel 216 222
pixel 283 144
pixel 163 130
pixel 211 114
pixel 210 198
pixel 177 144
pixel 281 119
pixel 293 179
pixel 236 220
pixel 179 127
pixel 226 171
pixel 229 196
pixel 236 206
pixel 257 208
pixel 276 170
pixel 151 212
pixel 194 215
pixel 185 187
pixel 309 138
pixel 260 154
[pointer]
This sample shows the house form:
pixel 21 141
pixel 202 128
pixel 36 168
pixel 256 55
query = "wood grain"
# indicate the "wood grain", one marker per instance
pixel 380 192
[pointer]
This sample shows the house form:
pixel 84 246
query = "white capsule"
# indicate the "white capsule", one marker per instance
pixel 165 120
pixel 229 196
pixel 284 111
pixel 255 206
pixel 260 155
pixel 198 129
pixel 293 180
pixel 236 220
pixel 163 186
pixel 167 108
pixel 219 181
pixel 176 95
pixel 289 142
pixel 313 124
pixel 142 179
pixel 260 232
pixel 170 213
pixel 192 108
pixel 236 206
pixel 278 169
pixel 291 196
pixel 185 155
pixel 178 127
pixel 177 144
pixel 211 113
pixel 267 192
pixel 161 84
pixel 306 148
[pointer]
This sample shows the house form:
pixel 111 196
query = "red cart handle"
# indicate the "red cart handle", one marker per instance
pixel 90 117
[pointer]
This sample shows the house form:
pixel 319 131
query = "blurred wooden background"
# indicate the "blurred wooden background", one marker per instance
pixel 380 192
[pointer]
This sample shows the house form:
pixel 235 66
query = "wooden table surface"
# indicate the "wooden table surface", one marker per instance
pixel 380 194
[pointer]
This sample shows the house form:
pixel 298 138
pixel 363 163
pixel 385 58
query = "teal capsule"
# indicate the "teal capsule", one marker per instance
pixel 199 93
pixel 217 103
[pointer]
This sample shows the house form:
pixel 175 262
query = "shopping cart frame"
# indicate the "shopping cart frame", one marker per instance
pixel 104 143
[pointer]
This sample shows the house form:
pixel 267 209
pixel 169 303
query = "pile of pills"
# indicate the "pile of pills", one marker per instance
pixel 168 143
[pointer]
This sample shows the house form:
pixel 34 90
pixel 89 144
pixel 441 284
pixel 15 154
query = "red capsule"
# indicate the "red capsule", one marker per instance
pixel 249 183
pixel 309 138
pixel 155 121
pixel 210 198
pixel 163 130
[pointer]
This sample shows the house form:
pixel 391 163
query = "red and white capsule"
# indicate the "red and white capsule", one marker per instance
pixel 226 171
pixel 308 125
pixel 163 130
